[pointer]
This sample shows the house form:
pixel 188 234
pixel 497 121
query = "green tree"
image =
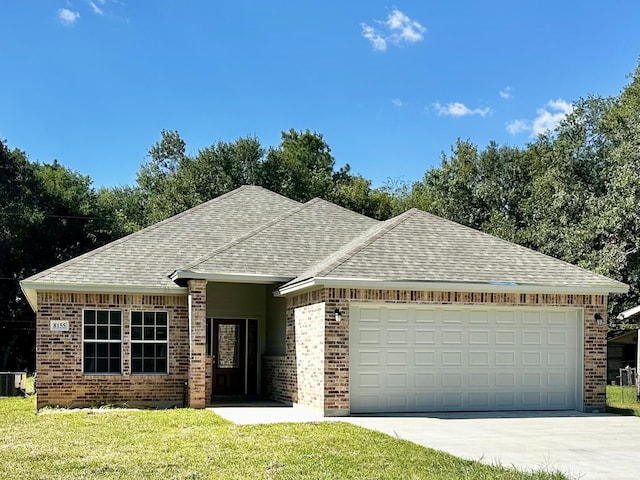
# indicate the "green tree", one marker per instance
pixel 301 167
pixel 48 214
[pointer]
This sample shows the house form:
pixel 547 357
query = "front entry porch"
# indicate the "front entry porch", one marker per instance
pixel 234 331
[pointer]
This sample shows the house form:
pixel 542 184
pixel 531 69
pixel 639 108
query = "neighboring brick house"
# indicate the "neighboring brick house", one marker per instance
pixel 252 294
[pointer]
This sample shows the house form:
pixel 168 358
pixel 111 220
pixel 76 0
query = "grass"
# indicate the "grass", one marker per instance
pixel 622 402
pixel 194 444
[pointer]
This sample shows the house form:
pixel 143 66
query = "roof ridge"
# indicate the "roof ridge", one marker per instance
pixel 248 235
pixel 151 227
pixel 363 241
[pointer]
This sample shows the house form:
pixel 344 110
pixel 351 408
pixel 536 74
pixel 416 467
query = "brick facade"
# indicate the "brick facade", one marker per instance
pixel 314 371
pixel 275 378
pixel 61 380
pixel 198 347
pixel 335 380
pixel 310 354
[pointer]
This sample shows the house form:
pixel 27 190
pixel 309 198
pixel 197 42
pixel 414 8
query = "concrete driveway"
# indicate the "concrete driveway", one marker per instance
pixel 585 446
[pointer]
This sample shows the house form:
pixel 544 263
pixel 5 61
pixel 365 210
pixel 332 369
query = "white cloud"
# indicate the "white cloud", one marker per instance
pixel 518 126
pixel 396 102
pixel 398 29
pixel 457 109
pixel 546 120
pixel 68 17
pixel 506 93
pixel 403 28
pixel 96 9
pixel 379 43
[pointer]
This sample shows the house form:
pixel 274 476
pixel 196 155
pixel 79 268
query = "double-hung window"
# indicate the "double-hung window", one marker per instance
pixel 149 342
pixel 102 341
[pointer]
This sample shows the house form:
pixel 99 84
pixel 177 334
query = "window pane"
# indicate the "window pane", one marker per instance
pixel 90 332
pixel 136 366
pixel 103 317
pixel 89 316
pixel 148 349
pixel 161 350
pixel 89 365
pixel 148 365
pixel 103 332
pixel 149 318
pixel 114 350
pixel 102 349
pixel 136 318
pixel 149 333
pixel 161 318
pixel 136 350
pixel 136 333
pixel 161 366
pixel 89 350
pixel 161 333
pixel 116 317
pixel 102 365
pixel 115 333
pixel 114 365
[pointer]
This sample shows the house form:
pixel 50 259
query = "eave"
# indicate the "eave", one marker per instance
pixel 31 289
pixel 427 285
pixel 226 277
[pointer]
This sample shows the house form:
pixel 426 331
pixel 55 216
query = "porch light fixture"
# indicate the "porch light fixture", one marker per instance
pixel 598 318
pixel 338 315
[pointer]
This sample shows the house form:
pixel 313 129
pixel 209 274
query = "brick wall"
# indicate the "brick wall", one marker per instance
pixel 310 354
pixel 275 378
pixel 336 336
pixel 60 379
pixel 198 352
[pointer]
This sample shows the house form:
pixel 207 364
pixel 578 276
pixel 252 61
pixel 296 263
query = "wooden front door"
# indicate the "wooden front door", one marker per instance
pixel 233 346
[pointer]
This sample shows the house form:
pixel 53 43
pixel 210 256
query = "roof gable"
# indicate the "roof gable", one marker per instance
pixel 289 244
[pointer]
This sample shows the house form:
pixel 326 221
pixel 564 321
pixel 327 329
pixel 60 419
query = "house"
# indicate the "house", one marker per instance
pixel 253 294
pixel 622 352
pixel 622 346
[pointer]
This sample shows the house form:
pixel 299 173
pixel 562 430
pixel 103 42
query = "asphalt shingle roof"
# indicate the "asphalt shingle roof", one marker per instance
pixel 257 232
pixel 418 246
pixel 290 244
pixel 145 258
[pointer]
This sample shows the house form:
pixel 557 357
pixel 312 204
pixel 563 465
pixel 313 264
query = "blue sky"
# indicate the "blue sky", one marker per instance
pixel 389 85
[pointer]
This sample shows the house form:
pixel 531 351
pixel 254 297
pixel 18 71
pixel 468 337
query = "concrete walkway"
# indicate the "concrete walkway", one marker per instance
pixel 585 446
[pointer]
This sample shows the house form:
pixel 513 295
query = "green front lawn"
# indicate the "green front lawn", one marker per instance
pixel 192 444
pixel 622 401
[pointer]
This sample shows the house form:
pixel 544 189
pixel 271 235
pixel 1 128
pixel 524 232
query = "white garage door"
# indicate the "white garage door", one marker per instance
pixel 420 359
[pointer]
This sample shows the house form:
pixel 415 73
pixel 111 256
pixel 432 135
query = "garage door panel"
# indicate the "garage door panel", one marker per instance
pixel 452 337
pixel 424 336
pixel 478 337
pixel 369 336
pixel 479 359
pixel 443 359
pixel 396 358
pixel 424 358
pixel 397 336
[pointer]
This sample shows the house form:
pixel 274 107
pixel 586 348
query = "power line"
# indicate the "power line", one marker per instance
pixel 79 217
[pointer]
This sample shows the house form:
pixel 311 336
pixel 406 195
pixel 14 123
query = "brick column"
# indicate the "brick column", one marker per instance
pixel 595 359
pixel 197 345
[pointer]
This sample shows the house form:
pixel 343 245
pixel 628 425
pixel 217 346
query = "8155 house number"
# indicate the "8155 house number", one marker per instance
pixel 59 325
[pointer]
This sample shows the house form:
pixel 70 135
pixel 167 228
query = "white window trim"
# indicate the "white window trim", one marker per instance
pixel 132 341
pixel 121 342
